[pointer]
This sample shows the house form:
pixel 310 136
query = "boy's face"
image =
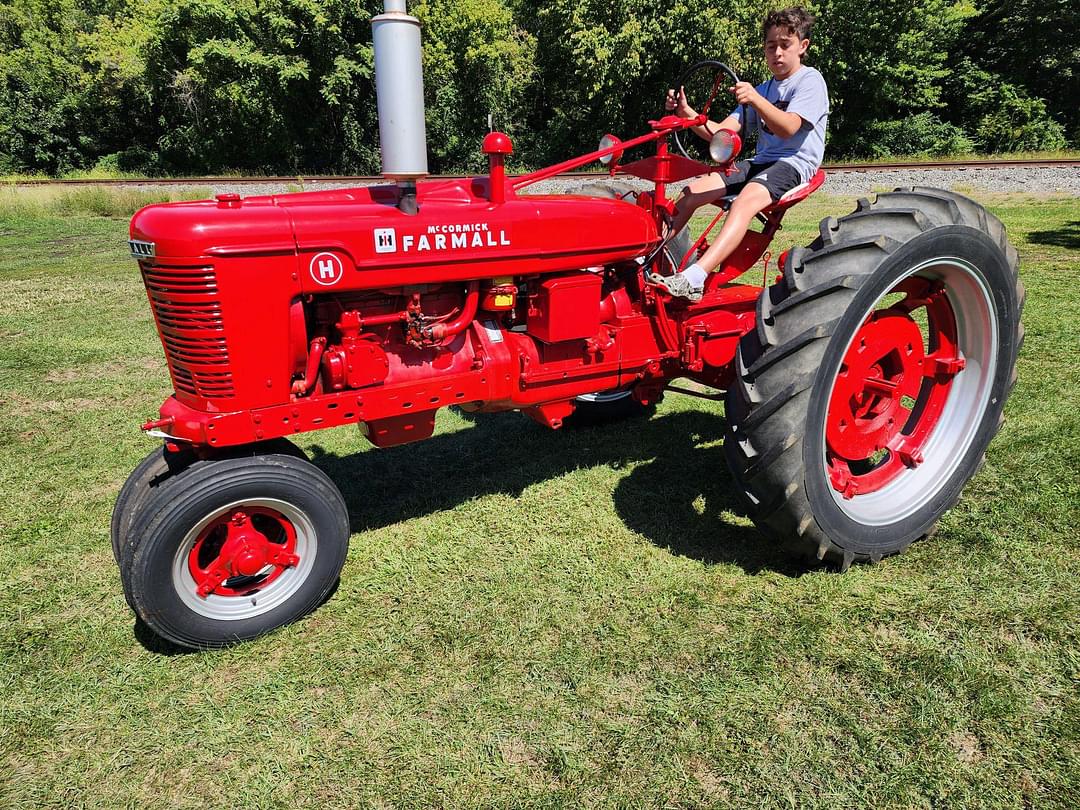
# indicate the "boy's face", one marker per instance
pixel 783 51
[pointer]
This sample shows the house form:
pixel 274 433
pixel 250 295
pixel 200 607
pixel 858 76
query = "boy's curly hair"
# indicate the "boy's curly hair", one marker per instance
pixel 794 20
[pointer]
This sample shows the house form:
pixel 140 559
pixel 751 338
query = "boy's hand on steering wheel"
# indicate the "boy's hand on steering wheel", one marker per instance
pixel 678 105
pixel 745 93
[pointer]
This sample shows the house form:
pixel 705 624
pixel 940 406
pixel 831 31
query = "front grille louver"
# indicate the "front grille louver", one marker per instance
pixel 188 312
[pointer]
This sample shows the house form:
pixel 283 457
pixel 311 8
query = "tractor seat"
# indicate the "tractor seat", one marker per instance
pixel 795 195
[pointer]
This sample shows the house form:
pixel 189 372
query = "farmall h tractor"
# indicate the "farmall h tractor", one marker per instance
pixel 863 386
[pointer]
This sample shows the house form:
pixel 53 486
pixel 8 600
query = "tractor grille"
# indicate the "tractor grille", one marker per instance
pixel 188 311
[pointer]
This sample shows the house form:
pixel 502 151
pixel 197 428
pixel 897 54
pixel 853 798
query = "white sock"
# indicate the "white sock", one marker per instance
pixel 696 274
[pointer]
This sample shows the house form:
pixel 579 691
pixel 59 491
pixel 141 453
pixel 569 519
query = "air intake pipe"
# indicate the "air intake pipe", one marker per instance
pixel 399 87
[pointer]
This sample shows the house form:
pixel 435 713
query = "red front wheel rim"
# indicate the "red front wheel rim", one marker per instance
pixel 244 559
pixel 909 392
pixel 242 551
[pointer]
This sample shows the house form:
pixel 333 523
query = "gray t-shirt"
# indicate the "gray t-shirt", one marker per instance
pixel 803 93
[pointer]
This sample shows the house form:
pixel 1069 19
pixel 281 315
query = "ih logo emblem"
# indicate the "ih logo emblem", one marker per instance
pixel 326 269
pixel 385 240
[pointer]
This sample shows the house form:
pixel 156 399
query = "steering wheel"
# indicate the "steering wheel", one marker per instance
pixel 704 80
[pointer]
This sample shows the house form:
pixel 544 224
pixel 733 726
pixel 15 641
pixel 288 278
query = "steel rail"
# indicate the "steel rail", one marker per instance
pixel 1037 163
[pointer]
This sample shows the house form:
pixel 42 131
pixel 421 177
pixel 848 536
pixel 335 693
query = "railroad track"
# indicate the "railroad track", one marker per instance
pixel 1053 163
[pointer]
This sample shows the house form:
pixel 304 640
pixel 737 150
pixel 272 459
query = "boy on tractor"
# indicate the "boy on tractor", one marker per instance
pixel 789 112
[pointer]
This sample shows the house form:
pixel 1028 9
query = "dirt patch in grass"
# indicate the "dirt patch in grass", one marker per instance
pixel 966 746
pixel 711 783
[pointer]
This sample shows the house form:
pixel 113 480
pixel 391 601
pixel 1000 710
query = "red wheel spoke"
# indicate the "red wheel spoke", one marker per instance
pixel 842 479
pixel 882 386
pixel 906 450
pixel 918 292
pixel 210 580
pixel 943 367
pixel 283 558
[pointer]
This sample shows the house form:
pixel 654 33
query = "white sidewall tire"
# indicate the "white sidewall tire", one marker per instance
pixel 163 533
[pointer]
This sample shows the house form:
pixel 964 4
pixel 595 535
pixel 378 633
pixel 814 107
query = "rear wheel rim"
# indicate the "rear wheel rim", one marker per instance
pixel 909 395
pixel 268 558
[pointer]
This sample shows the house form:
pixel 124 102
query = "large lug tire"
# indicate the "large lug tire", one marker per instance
pixel 231 548
pixel 876 375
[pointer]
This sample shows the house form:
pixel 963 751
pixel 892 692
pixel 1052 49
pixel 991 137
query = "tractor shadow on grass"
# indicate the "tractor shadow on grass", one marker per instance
pixel 679 494
pixel 1067 236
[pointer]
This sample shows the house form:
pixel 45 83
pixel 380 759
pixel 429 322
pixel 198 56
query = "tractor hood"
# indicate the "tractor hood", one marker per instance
pixel 456 235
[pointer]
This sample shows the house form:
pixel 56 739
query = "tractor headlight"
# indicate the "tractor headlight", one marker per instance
pixel 607 142
pixel 723 146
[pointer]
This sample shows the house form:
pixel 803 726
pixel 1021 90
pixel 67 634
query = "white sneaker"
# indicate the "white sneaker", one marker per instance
pixel 678 286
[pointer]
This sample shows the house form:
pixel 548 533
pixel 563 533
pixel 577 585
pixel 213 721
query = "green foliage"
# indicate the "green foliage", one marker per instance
pixel 1002 116
pixel 884 63
pixel 39 86
pixel 922 134
pixel 287 86
pixel 1032 45
pixel 270 86
pixel 477 62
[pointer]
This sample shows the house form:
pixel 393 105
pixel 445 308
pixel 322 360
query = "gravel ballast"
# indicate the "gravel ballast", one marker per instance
pixel 1056 180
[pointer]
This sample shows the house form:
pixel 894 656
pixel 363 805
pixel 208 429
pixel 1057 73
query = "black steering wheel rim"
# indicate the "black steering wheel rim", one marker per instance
pixel 716 67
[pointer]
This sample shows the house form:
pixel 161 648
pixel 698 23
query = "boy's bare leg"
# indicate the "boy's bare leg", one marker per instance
pixel 753 199
pixel 690 283
pixel 704 190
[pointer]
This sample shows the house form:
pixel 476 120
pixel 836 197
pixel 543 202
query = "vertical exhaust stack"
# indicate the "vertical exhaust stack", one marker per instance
pixel 399 87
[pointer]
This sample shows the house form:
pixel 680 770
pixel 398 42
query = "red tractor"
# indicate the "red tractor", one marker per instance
pixel 863 386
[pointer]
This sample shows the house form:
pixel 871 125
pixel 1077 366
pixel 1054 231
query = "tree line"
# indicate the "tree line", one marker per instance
pixel 287 86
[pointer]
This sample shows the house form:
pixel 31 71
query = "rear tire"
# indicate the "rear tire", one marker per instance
pixel 876 375
pixel 230 549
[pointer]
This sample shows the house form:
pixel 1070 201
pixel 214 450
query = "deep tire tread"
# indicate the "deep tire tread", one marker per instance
pixel 776 362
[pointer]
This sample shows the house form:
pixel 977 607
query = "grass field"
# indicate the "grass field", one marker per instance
pixel 534 619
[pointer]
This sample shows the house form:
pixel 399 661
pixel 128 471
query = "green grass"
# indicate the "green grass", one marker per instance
pixel 20 204
pixel 535 619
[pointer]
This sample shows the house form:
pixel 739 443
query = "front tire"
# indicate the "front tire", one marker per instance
pixel 876 375
pixel 233 548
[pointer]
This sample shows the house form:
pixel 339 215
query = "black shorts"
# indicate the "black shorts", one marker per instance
pixel 778 178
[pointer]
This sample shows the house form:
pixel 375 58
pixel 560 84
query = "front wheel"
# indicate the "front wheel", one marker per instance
pixel 876 375
pixel 232 548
